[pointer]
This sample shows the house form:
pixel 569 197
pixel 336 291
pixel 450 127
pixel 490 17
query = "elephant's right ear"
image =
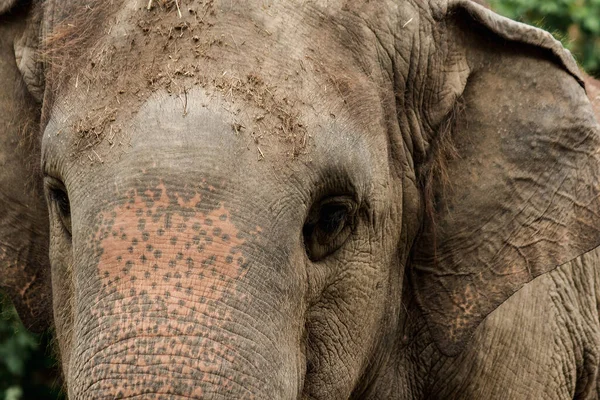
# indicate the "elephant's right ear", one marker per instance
pixel 24 263
pixel 522 192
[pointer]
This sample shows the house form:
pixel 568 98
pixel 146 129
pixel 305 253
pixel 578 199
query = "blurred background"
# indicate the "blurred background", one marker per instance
pixel 27 367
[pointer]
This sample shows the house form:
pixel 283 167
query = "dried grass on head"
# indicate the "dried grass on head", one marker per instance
pixel 77 27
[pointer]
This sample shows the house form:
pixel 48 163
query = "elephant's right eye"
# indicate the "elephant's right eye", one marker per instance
pixel 59 201
pixel 328 226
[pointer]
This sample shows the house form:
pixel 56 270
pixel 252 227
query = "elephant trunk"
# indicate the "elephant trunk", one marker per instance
pixel 184 305
pixel 151 353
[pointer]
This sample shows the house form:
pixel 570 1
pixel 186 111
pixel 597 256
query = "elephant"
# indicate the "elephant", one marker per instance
pixel 592 85
pixel 593 90
pixel 295 199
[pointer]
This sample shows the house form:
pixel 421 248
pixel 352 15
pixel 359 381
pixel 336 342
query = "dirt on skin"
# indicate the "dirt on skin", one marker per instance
pixel 171 46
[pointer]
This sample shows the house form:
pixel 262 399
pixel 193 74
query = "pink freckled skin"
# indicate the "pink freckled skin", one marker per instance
pixel 176 241
pixel 167 271
pixel 191 203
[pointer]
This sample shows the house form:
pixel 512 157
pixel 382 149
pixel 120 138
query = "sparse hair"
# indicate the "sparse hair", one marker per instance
pixel 70 36
pixel 433 174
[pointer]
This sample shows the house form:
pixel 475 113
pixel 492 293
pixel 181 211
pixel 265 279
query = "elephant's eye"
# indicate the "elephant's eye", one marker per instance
pixel 328 226
pixel 59 202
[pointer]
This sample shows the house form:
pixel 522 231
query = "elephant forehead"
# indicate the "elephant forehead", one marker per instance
pixel 263 61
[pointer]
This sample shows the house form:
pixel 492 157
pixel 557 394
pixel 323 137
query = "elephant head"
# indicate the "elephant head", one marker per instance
pixel 245 200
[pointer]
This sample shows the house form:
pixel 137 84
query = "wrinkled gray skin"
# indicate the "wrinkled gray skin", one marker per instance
pixel 298 199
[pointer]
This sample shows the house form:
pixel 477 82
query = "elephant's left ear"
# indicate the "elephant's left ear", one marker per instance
pixel 522 187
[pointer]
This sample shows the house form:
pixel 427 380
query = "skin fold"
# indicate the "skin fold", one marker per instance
pixel 593 90
pixel 300 200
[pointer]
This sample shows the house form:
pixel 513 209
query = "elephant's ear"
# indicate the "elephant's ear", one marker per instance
pixel 522 180
pixel 24 264
pixel 593 90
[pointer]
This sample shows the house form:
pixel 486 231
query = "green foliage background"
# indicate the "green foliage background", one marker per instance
pixel 27 371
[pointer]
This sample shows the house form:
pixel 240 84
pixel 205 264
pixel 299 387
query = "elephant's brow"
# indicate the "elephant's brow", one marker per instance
pixel 161 52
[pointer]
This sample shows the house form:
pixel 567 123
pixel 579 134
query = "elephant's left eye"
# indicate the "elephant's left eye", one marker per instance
pixel 328 226
pixel 59 202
